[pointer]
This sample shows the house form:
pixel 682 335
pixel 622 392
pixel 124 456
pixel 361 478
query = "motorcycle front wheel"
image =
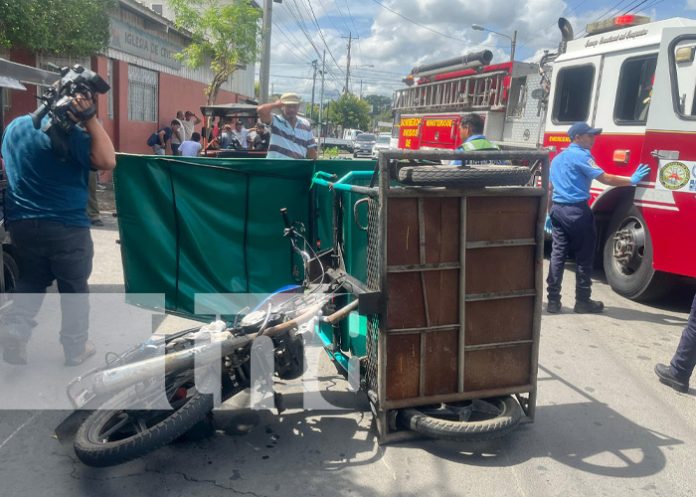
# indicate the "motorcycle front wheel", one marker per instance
pixel 111 436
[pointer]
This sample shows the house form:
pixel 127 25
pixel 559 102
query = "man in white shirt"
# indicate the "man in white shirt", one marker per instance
pixel 241 133
pixel 192 147
pixel 189 123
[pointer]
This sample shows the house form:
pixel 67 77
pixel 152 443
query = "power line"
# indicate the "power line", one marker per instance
pixel 616 7
pixel 357 31
pixel 652 5
pixel 613 9
pixel 294 46
pixel 321 35
pixel 298 20
pixel 633 4
pixel 297 46
pixel 634 9
pixel 417 23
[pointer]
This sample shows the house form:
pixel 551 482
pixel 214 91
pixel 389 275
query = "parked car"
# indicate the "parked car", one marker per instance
pixel 383 143
pixel 363 145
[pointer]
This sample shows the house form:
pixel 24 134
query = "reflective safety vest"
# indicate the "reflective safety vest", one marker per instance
pixel 479 144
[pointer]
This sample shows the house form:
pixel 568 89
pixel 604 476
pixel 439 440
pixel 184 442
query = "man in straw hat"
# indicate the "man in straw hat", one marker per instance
pixel 291 135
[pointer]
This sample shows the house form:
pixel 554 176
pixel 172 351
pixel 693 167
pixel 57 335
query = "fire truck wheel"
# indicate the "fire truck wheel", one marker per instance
pixel 465 177
pixel 628 257
pixel 473 420
pixel 11 271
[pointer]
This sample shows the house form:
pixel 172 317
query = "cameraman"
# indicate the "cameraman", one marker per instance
pixel 45 209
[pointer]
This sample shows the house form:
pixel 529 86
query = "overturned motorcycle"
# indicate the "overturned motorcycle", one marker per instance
pixel 448 315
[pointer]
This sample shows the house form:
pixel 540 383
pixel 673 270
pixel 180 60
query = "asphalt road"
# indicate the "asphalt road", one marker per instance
pixel 604 426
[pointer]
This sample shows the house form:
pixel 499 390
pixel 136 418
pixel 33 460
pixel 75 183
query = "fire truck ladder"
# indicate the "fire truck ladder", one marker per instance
pixel 476 92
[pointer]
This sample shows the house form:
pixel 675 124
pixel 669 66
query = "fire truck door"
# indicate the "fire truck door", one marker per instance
pixel 667 198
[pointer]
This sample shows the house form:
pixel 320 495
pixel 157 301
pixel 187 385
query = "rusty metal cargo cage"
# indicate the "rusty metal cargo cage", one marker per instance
pixel 460 272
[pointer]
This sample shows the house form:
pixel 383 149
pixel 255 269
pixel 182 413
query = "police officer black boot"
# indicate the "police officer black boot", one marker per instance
pixel 553 307
pixel 588 306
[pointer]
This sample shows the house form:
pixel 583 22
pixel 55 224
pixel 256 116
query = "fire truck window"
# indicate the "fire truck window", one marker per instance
pixel 573 94
pixel 635 90
pixel 683 76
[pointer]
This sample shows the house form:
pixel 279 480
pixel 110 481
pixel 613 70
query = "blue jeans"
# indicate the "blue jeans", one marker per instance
pixel 48 251
pixel 684 358
pixel 573 229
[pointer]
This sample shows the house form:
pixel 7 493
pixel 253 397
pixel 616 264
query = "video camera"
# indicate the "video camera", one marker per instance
pixel 58 100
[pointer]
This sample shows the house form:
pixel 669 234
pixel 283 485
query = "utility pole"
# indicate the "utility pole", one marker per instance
pixel 321 99
pixel 361 89
pixel 350 40
pixel 265 69
pixel 315 63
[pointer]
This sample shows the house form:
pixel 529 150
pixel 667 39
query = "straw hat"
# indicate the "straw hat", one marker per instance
pixel 290 98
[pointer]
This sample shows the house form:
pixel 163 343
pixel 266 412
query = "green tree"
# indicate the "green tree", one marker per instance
pixel 380 104
pixel 380 108
pixel 350 112
pixel 62 27
pixel 223 35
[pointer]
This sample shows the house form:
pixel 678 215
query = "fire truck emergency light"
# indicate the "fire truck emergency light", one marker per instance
pixel 619 22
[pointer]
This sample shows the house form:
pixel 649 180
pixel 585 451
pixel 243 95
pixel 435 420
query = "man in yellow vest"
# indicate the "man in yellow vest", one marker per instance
pixel 471 131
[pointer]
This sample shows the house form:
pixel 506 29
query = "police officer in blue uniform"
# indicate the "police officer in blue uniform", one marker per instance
pixel 570 219
pixel 680 369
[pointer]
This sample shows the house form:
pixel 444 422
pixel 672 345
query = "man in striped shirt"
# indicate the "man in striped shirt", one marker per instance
pixel 291 135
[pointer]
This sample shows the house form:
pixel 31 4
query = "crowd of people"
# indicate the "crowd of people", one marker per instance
pixel 282 134
pixel 228 133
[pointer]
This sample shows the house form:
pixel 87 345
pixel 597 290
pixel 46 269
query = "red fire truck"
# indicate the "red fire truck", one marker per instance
pixel 631 77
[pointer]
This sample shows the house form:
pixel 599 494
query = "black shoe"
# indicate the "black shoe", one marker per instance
pixel 14 352
pixel 664 372
pixel 588 306
pixel 553 307
pixel 76 360
pixel 97 222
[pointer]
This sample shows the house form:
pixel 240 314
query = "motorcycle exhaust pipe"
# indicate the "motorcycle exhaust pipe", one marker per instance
pixel 116 379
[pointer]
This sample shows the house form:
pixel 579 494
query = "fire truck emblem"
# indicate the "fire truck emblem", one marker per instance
pixel 674 175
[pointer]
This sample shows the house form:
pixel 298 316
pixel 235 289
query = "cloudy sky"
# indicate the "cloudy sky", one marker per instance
pixel 392 36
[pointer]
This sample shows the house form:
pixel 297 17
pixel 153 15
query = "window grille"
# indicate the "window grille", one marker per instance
pixel 142 94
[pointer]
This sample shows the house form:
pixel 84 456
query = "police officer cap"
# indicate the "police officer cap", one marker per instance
pixel 582 128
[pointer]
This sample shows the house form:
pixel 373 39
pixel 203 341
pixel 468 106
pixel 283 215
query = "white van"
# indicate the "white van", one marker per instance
pixel 351 134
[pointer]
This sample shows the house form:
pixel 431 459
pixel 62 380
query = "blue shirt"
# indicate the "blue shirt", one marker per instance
pixel 40 184
pixel 572 172
pixel 288 142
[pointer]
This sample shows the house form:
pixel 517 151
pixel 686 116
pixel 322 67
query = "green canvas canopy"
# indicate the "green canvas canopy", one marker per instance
pixel 202 226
